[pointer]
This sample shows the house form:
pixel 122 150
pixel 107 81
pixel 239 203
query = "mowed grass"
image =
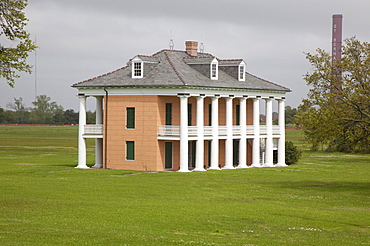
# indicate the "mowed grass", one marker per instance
pixel 44 200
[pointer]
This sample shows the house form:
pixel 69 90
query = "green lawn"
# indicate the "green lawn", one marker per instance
pixel 44 200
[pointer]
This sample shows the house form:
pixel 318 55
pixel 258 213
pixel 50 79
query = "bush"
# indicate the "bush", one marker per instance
pixel 292 153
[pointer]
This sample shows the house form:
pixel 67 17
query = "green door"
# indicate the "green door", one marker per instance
pixel 236 152
pixel 168 155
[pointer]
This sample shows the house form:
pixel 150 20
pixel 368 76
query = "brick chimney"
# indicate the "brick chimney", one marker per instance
pixel 192 48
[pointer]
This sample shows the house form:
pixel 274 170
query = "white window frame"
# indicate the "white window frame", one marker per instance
pixel 241 76
pixel 214 76
pixel 137 60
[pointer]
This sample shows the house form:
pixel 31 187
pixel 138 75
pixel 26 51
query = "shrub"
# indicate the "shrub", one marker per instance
pixel 292 153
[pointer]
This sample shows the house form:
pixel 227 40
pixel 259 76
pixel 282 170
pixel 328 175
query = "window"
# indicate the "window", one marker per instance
pixel 137 70
pixel 130 150
pixel 168 114
pixel 130 118
pixel 241 72
pixel 214 71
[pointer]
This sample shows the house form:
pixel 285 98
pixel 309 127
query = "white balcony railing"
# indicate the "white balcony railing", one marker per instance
pixel 207 130
pixel 93 129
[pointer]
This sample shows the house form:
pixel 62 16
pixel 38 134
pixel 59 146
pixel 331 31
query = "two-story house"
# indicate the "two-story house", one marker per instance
pixel 182 111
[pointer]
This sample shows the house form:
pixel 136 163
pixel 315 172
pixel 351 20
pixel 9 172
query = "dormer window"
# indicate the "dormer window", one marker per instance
pixel 214 69
pixel 241 76
pixel 137 68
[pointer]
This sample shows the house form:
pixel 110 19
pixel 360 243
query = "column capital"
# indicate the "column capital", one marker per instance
pixel 268 98
pixel 183 95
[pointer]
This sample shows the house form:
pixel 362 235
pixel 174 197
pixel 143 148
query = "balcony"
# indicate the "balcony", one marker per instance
pixel 93 130
pixel 174 131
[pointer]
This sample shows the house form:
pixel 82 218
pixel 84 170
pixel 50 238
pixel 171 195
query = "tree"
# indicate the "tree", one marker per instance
pixel 20 111
pixel 13 56
pixel 290 115
pixel 337 111
pixel 44 110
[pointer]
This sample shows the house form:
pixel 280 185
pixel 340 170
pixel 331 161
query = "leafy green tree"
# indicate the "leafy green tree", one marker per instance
pixel 13 56
pixel 44 110
pixel 290 115
pixel 70 116
pixel 20 111
pixel 336 113
pixel 7 116
pixel 90 117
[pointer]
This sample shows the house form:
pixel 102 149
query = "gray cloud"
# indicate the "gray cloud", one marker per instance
pixel 82 39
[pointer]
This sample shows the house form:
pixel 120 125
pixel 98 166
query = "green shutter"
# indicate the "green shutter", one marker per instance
pixel 130 120
pixel 210 114
pixel 130 150
pixel 237 115
pixel 189 114
pixel 168 114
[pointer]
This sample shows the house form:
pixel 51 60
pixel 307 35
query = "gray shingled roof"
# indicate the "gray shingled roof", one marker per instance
pixel 172 70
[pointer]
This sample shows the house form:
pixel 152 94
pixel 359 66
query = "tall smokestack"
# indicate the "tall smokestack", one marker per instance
pixel 336 51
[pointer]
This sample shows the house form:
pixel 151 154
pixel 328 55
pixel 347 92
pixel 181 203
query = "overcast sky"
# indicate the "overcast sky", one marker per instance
pixel 80 39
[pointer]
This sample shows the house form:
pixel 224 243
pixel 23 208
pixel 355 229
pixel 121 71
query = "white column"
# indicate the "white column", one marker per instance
pixel 229 134
pixel 184 145
pixel 214 144
pixel 256 126
pixel 99 141
pixel 281 143
pixel 81 139
pixel 243 134
pixel 269 140
pixel 199 156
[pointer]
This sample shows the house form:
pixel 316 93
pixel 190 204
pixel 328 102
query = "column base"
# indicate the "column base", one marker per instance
pixel 244 166
pixel 183 171
pixel 225 167
pixel 256 165
pixel 82 167
pixel 268 165
pixel 281 165
pixel 199 169
pixel 97 166
pixel 214 168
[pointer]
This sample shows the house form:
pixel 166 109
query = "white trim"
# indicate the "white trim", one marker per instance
pixel 172 91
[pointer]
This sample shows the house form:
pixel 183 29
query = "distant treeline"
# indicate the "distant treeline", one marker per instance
pixel 46 112
pixel 43 112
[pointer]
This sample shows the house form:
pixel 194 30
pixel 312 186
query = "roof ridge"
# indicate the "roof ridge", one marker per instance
pixel 164 50
pixel 236 59
pixel 196 57
pixel 174 68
